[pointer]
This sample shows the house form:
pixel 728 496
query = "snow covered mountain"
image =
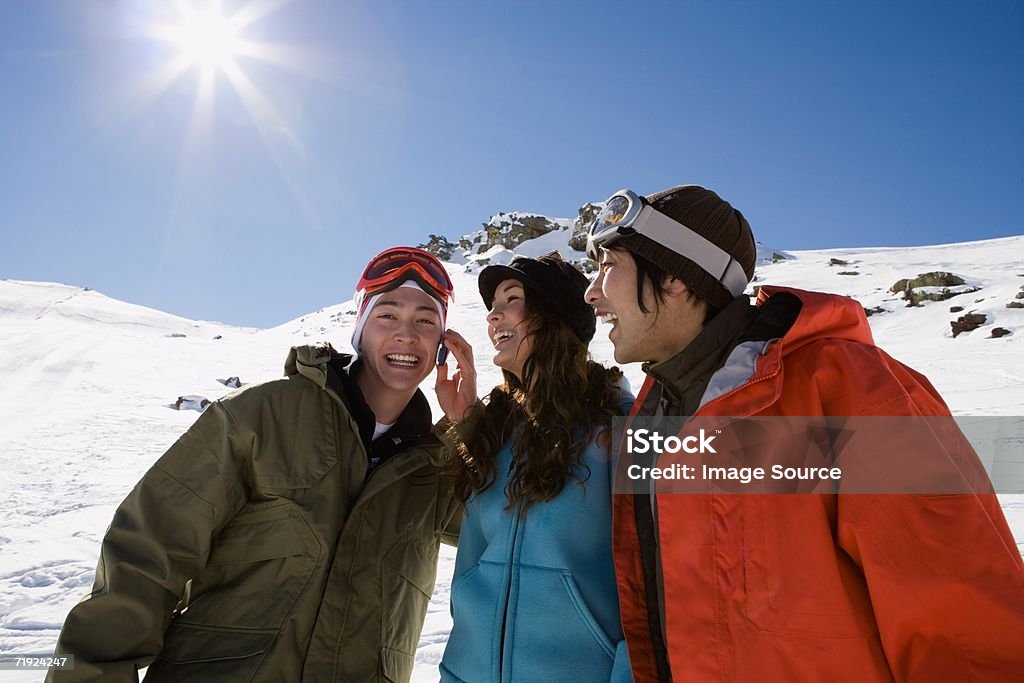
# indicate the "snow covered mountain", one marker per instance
pixel 91 388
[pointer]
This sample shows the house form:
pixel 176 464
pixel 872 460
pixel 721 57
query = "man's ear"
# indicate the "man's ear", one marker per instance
pixel 673 286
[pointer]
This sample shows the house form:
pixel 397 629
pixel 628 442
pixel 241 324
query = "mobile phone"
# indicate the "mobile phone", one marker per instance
pixel 442 354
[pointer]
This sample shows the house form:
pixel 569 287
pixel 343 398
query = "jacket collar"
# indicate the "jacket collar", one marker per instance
pixel 788 319
pixel 413 424
pixel 335 372
pixel 683 376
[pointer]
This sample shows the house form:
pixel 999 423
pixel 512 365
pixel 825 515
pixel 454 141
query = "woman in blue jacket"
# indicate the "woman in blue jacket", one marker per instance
pixel 534 595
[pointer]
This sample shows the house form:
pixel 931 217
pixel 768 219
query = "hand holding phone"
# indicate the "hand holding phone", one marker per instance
pixel 455 394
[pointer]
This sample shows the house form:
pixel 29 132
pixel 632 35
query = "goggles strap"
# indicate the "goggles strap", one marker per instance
pixel 673 235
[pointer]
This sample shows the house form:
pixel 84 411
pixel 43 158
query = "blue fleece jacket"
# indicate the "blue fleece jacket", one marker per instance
pixel 534 597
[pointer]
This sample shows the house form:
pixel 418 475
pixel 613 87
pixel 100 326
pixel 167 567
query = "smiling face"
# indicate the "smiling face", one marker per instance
pixel 613 293
pixel 508 328
pixel 399 343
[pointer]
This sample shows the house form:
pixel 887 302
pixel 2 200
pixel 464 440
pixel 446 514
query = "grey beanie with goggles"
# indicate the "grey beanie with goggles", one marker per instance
pixel 711 217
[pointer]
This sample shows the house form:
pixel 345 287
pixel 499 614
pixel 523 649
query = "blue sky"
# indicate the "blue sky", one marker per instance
pixel 828 124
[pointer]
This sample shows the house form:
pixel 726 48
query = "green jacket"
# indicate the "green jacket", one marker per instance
pixel 256 549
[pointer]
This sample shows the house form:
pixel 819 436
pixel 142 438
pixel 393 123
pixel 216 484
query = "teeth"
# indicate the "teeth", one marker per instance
pixel 503 335
pixel 403 358
pixel 609 318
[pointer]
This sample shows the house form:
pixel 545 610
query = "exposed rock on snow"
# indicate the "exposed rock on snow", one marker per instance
pixel 440 247
pixel 191 402
pixel 936 278
pixel 587 213
pixel 509 230
pixel 934 286
pixel 966 323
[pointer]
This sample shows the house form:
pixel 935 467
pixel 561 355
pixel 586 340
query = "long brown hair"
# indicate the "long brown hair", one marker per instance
pixel 564 398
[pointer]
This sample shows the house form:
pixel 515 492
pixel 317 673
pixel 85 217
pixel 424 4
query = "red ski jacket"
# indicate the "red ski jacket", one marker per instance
pixel 825 587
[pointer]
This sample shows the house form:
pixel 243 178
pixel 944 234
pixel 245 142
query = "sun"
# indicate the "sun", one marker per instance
pixel 205 41
pixel 207 38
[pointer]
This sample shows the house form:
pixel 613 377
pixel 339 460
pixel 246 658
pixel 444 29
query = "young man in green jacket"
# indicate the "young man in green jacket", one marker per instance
pixel 291 534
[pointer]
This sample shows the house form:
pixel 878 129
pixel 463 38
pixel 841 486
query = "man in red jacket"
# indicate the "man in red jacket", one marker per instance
pixel 835 586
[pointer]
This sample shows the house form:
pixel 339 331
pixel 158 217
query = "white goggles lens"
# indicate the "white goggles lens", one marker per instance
pixel 614 220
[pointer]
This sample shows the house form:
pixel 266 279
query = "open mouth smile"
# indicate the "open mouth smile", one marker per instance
pixel 501 336
pixel 403 360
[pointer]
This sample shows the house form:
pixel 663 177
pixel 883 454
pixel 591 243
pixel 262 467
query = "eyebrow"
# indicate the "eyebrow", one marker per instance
pixel 396 304
pixel 512 285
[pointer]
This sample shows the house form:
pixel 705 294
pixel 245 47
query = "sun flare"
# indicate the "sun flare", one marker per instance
pixel 204 40
pixel 207 38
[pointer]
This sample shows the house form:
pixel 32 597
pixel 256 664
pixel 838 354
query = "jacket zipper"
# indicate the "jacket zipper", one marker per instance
pixel 654 508
pixel 511 571
pixel 734 392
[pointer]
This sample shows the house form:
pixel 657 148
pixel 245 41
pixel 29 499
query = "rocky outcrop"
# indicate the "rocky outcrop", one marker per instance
pixel 936 278
pixel 848 272
pixel 838 262
pixel 439 246
pixel 509 230
pixel 955 309
pixel 232 382
pixel 934 286
pixel 966 323
pixel 585 265
pixel 873 311
pixel 587 213
pixel 998 332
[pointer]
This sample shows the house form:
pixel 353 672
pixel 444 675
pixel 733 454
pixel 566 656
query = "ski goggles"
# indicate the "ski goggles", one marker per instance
pixel 393 266
pixel 627 213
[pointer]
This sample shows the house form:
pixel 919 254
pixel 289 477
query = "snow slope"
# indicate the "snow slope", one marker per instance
pixel 88 385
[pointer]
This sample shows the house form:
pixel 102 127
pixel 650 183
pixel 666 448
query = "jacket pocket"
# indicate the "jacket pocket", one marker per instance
pixel 395 667
pixel 588 618
pixel 204 653
pixel 259 566
pixel 551 632
pixel 300 457
pixel 408 571
pixel 796 579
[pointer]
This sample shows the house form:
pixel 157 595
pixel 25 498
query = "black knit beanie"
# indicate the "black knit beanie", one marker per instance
pixel 709 216
pixel 552 280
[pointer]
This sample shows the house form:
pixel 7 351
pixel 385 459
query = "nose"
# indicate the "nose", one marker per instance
pixel 405 332
pixel 495 314
pixel 595 292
